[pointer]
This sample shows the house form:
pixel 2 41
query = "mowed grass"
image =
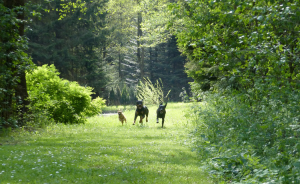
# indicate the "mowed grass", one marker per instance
pixel 104 151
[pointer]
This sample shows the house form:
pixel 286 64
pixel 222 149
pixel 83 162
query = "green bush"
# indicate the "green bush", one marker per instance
pixel 95 107
pixel 64 101
pixel 248 138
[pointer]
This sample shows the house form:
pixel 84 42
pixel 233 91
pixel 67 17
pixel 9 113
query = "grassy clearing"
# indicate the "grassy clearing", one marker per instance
pixel 103 151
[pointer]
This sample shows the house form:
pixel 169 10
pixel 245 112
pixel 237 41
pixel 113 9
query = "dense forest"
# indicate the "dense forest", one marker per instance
pixel 240 57
pixel 101 47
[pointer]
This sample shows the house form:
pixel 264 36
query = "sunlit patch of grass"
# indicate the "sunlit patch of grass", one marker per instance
pixel 104 151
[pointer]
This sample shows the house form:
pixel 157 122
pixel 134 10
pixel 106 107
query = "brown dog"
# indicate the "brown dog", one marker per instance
pixel 122 118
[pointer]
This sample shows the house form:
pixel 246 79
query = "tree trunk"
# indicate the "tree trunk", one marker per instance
pixel 120 62
pixel 140 50
pixel 151 63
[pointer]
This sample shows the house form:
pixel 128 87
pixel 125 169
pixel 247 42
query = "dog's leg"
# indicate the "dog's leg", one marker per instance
pixel 135 116
pixel 141 119
pixel 163 120
pixel 147 112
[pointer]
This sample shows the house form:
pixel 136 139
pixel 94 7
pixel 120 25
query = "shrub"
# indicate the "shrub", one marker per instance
pixel 252 141
pixel 95 107
pixel 64 101
pixel 151 93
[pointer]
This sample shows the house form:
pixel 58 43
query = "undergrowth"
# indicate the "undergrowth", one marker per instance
pixel 244 143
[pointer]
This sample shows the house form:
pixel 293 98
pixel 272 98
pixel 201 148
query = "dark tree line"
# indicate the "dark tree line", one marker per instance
pixel 81 47
pixel 75 44
pixel 166 63
pixel 163 61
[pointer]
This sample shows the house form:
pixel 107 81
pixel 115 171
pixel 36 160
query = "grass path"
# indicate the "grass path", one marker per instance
pixel 103 151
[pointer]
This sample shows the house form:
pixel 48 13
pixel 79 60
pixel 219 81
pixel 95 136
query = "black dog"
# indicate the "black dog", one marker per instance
pixel 161 113
pixel 141 111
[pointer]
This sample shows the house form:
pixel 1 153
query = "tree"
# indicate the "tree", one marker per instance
pixel 123 38
pixel 167 64
pixel 248 54
pixel 14 62
pixel 237 44
pixel 143 56
pixel 73 38
pixel 163 59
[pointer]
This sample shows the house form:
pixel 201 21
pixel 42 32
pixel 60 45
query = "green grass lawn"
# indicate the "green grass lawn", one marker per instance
pixel 104 151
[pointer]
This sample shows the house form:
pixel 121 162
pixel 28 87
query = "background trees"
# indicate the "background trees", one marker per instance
pixel 101 44
pixel 73 41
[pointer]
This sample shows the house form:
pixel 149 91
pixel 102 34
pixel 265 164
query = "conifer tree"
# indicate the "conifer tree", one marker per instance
pixel 74 42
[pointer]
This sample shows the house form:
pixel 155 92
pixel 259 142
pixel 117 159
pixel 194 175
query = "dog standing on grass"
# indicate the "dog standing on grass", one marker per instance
pixel 161 113
pixel 141 111
pixel 122 118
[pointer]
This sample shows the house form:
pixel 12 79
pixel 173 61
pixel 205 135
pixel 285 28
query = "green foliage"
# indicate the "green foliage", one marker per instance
pixel 247 53
pixel 249 144
pixel 125 95
pixel 95 44
pixel 121 95
pixel 122 42
pixel 167 64
pixel 184 95
pixel 14 61
pixel 233 42
pixel 75 44
pixel 95 107
pixel 155 22
pixel 158 56
pixel 65 101
pixel 151 93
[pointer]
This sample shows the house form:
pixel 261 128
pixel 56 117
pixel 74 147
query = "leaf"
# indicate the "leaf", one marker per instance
pixel 297 164
pixel 280 48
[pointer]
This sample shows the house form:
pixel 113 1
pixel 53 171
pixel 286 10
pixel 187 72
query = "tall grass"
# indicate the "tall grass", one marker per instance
pixel 104 151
